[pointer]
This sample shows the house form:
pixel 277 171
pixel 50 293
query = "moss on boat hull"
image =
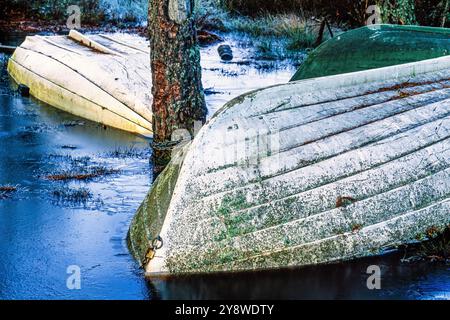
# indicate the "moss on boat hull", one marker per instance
pixel 149 219
pixel 345 166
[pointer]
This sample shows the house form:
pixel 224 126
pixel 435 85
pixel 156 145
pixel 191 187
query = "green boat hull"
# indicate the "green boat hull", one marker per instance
pixel 375 47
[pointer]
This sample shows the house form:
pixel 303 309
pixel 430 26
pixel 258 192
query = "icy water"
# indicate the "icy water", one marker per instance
pixel 47 226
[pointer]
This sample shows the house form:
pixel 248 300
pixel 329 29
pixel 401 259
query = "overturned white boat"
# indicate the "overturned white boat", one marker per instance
pixel 103 78
pixel 308 172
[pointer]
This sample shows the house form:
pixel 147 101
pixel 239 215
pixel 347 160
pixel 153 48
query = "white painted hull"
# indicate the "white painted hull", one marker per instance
pixel 109 84
pixel 357 163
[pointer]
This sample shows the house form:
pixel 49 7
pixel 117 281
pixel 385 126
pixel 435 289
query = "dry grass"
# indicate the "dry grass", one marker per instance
pixel 8 188
pixel 275 35
pixel 131 152
pixel 436 248
pixel 6 191
pixel 88 174
pixel 347 11
pixel 80 195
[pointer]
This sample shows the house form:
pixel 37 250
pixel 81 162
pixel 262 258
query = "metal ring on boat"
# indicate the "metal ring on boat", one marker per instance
pixel 157 243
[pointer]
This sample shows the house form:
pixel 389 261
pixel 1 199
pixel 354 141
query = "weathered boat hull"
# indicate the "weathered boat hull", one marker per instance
pixel 345 166
pixel 373 47
pixel 109 87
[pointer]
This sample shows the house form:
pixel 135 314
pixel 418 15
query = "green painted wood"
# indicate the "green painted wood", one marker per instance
pixel 375 47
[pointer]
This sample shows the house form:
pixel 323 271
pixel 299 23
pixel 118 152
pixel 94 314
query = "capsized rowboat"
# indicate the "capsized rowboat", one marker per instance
pixel 373 47
pixel 103 78
pixel 309 172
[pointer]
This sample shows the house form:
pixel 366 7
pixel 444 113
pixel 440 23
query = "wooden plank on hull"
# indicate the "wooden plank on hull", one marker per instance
pixel 361 164
pixel 115 82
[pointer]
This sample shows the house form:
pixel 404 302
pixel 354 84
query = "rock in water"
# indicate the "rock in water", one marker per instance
pixel 225 52
pixel 23 90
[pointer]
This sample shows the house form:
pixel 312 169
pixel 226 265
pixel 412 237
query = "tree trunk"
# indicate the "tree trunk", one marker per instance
pixel 446 4
pixel 178 99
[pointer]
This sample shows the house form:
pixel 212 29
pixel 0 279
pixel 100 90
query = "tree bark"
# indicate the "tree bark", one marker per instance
pixel 178 99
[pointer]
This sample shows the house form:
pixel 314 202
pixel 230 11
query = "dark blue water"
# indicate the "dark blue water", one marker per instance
pixel 41 233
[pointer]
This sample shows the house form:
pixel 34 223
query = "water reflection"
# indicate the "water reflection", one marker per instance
pixel 336 281
pixel 40 238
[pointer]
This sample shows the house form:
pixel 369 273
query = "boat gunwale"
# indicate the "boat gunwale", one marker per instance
pixel 144 129
pixel 87 78
pixel 386 28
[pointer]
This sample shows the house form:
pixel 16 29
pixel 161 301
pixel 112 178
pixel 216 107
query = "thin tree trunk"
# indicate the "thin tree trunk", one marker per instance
pixel 178 99
pixel 445 12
